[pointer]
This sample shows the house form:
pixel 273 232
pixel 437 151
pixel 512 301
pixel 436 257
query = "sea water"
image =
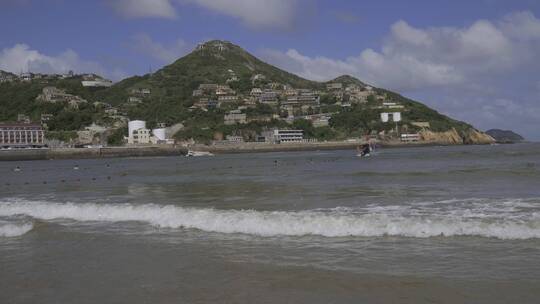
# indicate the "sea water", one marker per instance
pixel 441 224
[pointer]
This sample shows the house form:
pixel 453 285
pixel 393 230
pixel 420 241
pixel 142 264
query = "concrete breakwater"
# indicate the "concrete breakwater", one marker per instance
pixel 80 153
pixel 267 147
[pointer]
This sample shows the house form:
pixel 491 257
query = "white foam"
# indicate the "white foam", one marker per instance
pixel 330 222
pixel 13 230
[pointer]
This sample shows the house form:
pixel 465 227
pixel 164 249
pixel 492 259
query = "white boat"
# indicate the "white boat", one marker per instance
pixel 192 153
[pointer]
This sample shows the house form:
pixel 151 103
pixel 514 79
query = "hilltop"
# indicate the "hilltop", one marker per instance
pixel 505 136
pixel 220 89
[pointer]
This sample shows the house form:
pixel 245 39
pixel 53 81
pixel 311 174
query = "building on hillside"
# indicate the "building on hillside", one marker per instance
pixel 208 87
pixel 55 95
pixel 278 136
pixel 303 98
pixel 134 100
pixel 234 139
pixel 227 98
pixel 21 135
pixel 206 103
pixel 256 92
pixel 421 124
pixel 140 92
pixel 388 117
pixel 235 117
pixel 391 105
pixel 269 97
pixel 23 118
pixel 197 93
pixel 224 90
pixel 410 137
pixel 104 83
pixel 138 133
pixel 45 118
pixel 334 86
pixel 26 77
pixel 111 111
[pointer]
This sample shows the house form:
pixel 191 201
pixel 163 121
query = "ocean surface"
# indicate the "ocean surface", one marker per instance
pixel 406 225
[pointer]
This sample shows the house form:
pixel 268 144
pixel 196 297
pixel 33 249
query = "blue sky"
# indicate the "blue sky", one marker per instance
pixel 474 60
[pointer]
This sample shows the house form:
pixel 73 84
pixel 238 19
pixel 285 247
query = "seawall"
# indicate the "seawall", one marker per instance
pixel 82 153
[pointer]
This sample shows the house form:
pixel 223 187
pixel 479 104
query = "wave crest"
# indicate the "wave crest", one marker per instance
pixel 336 222
pixel 13 230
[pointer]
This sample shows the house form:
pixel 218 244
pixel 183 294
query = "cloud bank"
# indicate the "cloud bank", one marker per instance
pixel 488 66
pixel 21 58
pixel 253 13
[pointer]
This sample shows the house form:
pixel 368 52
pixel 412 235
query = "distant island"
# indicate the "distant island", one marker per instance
pixel 505 136
pixel 219 93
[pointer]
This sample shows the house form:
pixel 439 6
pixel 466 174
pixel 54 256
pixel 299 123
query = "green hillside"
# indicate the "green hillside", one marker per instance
pixel 168 96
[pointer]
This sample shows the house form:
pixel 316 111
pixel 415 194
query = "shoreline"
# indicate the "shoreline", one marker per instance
pixel 169 150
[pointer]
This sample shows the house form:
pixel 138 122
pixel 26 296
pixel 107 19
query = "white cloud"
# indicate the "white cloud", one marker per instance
pixel 414 58
pixel 255 13
pixel 21 58
pixel 144 44
pixel 486 73
pixel 144 8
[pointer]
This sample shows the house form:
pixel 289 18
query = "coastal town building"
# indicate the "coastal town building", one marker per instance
pixel 334 86
pixel 54 95
pixel 278 136
pixel 139 134
pixel 227 98
pixel 421 124
pixel 97 83
pixel 21 135
pixel 235 117
pixel 269 97
pixel 45 118
pixel 410 137
pixel 388 117
pixel 23 118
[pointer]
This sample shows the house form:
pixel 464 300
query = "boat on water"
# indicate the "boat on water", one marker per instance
pixel 364 151
pixel 192 153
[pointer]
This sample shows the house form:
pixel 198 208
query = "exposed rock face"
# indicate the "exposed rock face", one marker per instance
pixel 453 137
pixel 475 137
pixel 450 137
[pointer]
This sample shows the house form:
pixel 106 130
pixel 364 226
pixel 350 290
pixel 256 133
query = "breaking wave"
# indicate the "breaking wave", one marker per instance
pixel 505 220
pixel 14 229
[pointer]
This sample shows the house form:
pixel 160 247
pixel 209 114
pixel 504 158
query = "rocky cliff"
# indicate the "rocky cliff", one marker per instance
pixel 453 137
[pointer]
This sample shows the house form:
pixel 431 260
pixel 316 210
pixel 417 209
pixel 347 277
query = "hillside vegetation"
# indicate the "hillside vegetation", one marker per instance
pixel 170 96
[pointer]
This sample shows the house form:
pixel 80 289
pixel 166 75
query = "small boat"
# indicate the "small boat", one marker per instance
pixel 192 153
pixel 365 151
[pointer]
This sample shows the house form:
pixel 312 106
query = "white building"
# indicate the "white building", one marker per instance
pixel 21 135
pixel 96 83
pixel 394 116
pixel 138 133
pixel 410 137
pixel 279 136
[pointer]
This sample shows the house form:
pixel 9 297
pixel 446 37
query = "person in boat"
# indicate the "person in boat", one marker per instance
pixel 366 149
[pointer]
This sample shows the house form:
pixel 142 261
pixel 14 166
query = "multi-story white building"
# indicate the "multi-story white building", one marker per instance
pixel 279 136
pixel 23 135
